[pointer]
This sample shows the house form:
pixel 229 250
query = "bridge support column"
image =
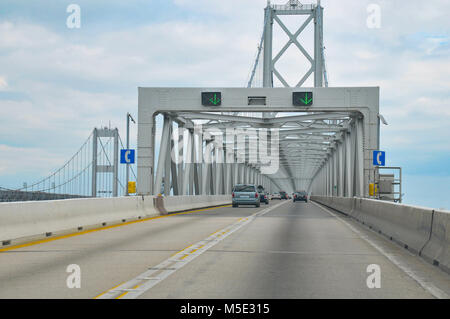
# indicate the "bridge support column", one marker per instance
pixel 341 170
pixel 235 173
pixel 198 160
pixel 181 151
pixel 348 166
pixel 360 158
pixel 228 178
pixel 112 167
pixel 116 163
pixel 173 164
pixel 167 163
pixel 218 171
pixel 318 46
pixel 94 163
pixel 241 173
pixel 206 159
pixel 267 66
pixel 334 173
pixel 187 168
pixel 193 176
pixel 162 155
pixel 330 176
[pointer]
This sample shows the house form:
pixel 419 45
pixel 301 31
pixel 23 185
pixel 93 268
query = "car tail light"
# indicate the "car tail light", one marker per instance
pixel 256 195
pixel 232 194
pixel 265 196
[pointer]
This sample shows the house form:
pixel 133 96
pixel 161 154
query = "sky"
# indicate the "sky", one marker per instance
pixel 58 83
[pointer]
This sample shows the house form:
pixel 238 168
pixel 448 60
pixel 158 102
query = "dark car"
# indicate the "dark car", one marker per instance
pixel 300 196
pixel 284 195
pixel 263 198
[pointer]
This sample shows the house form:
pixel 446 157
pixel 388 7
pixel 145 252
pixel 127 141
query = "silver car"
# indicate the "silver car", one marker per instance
pixel 276 196
pixel 245 194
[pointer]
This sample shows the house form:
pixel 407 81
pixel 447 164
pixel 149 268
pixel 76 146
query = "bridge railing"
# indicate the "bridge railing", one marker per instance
pixel 10 195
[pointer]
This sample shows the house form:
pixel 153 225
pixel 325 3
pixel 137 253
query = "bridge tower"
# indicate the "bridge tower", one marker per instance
pixel 110 167
pixel 314 13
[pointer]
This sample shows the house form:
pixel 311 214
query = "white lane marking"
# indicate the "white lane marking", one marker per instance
pixel 433 290
pixel 139 285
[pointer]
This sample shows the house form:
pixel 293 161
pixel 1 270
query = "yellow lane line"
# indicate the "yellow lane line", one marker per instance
pixel 181 250
pixel 184 256
pixel 214 232
pixel 37 242
pixel 123 294
pixel 120 296
pixel 109 290
pixel 246 218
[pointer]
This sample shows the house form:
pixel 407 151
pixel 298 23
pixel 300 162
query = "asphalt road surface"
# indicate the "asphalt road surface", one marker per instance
pixel 281 250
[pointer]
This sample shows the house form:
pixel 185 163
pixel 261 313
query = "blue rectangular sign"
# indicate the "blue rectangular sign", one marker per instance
pixel 379 158
pixel 127 156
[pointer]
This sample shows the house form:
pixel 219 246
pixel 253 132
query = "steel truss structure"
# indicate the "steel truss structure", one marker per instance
pixel 325 148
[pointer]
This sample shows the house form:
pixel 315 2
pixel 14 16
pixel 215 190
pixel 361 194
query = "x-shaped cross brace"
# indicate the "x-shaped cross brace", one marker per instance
pixel 293 40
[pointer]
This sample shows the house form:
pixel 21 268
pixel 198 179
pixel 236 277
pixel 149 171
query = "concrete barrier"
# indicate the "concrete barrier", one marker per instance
pixel 437 250
pixel 342 204
pixel 174 204
pixel 324 200
pixel 26 221
pixel 409 226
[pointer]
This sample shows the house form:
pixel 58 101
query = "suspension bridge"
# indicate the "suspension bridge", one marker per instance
pixel 179 237
pixel 83 175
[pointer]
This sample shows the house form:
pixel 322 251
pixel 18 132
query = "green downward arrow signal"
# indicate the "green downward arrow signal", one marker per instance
pixel 306 101
pixel 214 101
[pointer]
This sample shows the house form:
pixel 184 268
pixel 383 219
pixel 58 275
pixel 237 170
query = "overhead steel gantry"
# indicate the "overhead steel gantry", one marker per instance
pixel 324 146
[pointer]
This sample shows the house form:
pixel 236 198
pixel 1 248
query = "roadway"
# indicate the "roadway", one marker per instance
pixel 281 250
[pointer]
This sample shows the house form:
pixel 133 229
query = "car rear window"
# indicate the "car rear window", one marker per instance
pixel 244 188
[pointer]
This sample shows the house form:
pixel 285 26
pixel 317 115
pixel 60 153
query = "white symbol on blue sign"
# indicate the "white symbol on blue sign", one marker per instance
pixel 379 158
pixel 127 156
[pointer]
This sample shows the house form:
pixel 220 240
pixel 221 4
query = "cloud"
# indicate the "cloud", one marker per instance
pixel 3 83
pixel 62 83
pixel 28 159
pixel 26 36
